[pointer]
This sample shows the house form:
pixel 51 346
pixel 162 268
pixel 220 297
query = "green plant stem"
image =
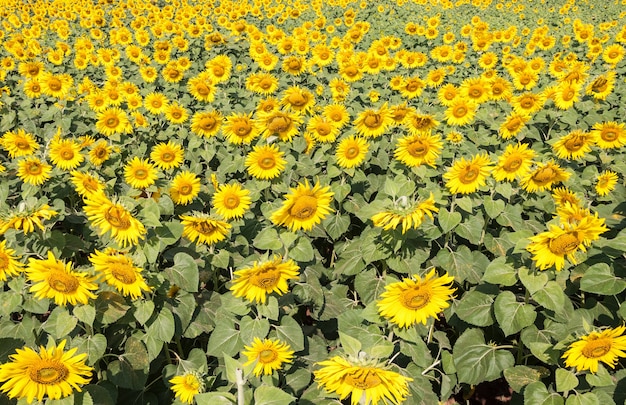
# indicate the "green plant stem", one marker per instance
pixel 167 353
pixel 240 385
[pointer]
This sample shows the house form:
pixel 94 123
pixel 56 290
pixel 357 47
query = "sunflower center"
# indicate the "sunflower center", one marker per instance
pixel 527 103
pixel 613 54
pixel 156 104
pixel 304 208
pixel 35 88
pixel 352 152
pixel 469 174
pixel 568 94
pixel 100 153
pixel 564 244
pixel 116 217
pixel 514 125
pixel 362 379
pixel 168 157
pixel 297 100
pixel 459 111
pixel 208 123
pixel 176 114
pixel 599 85
pixel 596 348
pixel 475 92
pixel 48 372
pixel 415 298
pixel 67 154
pixel 336 116
pixel 574 144
pixel 34 168
pixel 268 356
pixel 191 383
pixel 124 274
pixel 512 164
pixel 62 282
pixel 141 174
pixel 496 90
pixel 418 149
pixel 202 89
pixel 265 83
pixel 449 95
pixel 295 64
pixel 242 128
pixel 90 184
pixel 33 70
pixel 266 278
pixel 173 74
pixel 55 84
pixel 351 71
pixel 267 163
pixel 22 144
pixel 323 128
pixel 111 122
pixel 373 120
pixel 279 124
pixel 544 176
pixel 231 201
pixel 412 86
pixel 608 135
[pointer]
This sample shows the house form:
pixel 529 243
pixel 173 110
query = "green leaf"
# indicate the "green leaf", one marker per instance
pixel 143 310
pixel 231 366
pixel 60 323
pixel 163 326
pixel 476 361
pixel 499 272
pixel 588 398
pixel 85 313
pixel 471 229
pixel 599 279
pixel 565 380
pixel 551 296
pixel 94 346
pixel 350 345
pixel 251 328
pixel 291 332
pixel 520 376
pixel 10 303
pixel 463 264
pixel 216 398
pixel 532 282
pixel 475 308
pixel 601 378
pixel 540 344
pixel 336 225
pixel 224 339
pixel 267 395
pixel 493 208
pixel 513 316
pixel 537 394
pixel 448 220
pixel 184 273
pixel 303 251
pixel 267 239
pixel 270 309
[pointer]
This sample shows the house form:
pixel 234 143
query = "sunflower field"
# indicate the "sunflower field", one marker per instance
pixel 317 202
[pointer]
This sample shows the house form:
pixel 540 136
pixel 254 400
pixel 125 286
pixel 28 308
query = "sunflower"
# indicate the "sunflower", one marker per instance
pixel 609 135
pixel 544 177
pixel 298 99
pixel 574 145
pixel 65 154
pixel 500 89
pixel 410 216
pixel 294 65
pixel 19 143
pixel 176 113
pixel 33 171
pixel 112 121
pixel 373 123
pixel 156 103
pixel 528 103
pixel 265 162
pixel 419 124
pixel 263 278
pixel 9 263
pixel 304 207
pixel 551 247
pixel 231 201
pixel 447 94
pixel 602 86
pixel 466 176
pixel 338 114
pixel 201 228
pixel 322 129
pixel 460 112
pixel 184 188
pixel 475 89
pixel 119 271
pixel 414 300
pixel 206 123
pixel 514 162
pixel 278 123
pixel 52 373
pixel 267 355
pixel 412 87
pixel 55 279
pixel 187 386
pixel 112 217
pixel 606 182
pixel 418 149
pixel 371 382
pixel 56 85
pixel 566 94
pixel 240 128
pixel 613 54
pixel 140 173
pixel 26 220
pixel 513 124
pixel 32 88
pixel 100 152
pixel 86 184
pixel 351 152
pixel 606 346
pixel 167 155
pixel 562 196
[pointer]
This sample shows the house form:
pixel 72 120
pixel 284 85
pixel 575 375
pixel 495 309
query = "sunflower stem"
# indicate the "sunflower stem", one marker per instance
pixel 240 385
pixel 167 353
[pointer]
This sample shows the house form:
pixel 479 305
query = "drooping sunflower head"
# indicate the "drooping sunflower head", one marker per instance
pixel 304 207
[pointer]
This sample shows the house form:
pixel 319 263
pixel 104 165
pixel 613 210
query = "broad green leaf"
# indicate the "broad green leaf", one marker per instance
pixel 601 378
pixel 163 326
pixel 99 394
pixel 537 394
pixel 85 313
pixel 267 239
pixel 493 208
pixel 251 328
pixel 513 316
pixel 448 220
pixel 463 264
pixel 267 395
pixel 224 339
pixel 499 272
pixel 291 332
pixel 551 296
pixel 475 308
pixel 11 301
pixel 270 309
pixel 215 398
pixel 565 380
pixel 520 376
pixel 588 398
pixel 231 368
pixel 540 344
pixel 303 251
pixel 599 279
pixel 350 345
pixel 477 361
pixel 299 379
pixel 184 273
pixel 471 229
pixel 60 323
pixel 336 225
pixel 532 282
pixel 143 310
pixel 94 346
